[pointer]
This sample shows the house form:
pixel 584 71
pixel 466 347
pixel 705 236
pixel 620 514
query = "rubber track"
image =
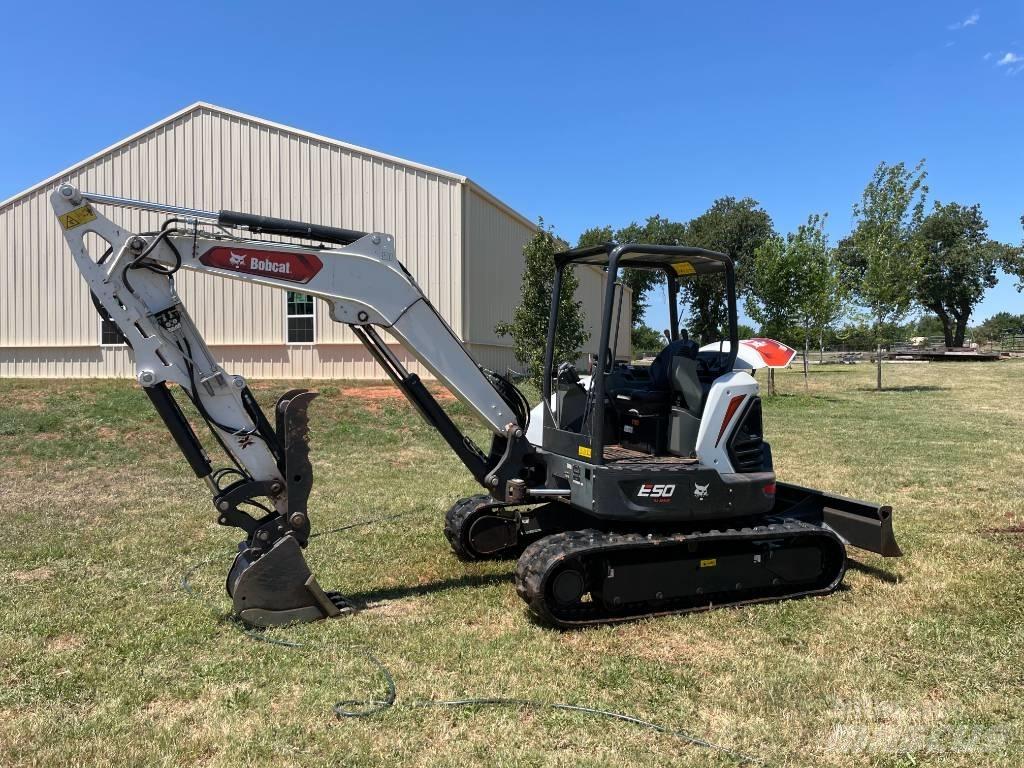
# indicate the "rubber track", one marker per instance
pixel 455 521
pixel 540 559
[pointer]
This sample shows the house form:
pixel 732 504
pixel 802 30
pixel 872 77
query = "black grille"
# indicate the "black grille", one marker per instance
pixel 746 446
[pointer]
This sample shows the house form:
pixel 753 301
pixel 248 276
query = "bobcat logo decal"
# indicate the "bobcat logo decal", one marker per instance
pixel 700 492
pixel 236 259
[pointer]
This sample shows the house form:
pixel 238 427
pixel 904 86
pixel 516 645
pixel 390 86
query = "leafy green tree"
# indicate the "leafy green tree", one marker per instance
pixel 997 326
pixel 745 331
pixel 794 282
pixel 656 230
pixel 926 325
pixel 883 255
pixel 731 226
pixel 1013 262
pixel 639 281
pixel 960 263
pixel 646 341
pixel 529 325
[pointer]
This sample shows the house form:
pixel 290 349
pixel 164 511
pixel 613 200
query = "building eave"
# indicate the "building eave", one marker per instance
pixel 230 113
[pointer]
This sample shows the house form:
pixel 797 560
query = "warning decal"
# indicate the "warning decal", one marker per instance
pixel 77 217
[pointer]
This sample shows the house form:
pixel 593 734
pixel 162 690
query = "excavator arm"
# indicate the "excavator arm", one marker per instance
pixel 365 286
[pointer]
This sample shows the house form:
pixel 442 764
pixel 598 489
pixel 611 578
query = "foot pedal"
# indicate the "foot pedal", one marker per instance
pixel 278 588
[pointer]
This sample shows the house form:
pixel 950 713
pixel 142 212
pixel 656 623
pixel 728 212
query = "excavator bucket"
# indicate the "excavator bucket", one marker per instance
pixel 273 585
pixel 278 587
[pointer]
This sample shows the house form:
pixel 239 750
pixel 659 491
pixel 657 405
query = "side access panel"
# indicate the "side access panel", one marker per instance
pixel 664 492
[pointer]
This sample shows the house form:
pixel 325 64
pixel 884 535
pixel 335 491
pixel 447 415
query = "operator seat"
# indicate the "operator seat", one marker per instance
pixel 657 395
pixel 661 368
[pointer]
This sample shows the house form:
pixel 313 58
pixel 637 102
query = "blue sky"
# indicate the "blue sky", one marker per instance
pixel 583 113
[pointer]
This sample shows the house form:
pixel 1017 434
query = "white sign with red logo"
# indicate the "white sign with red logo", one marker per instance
pixel 292 266
pixel 757 353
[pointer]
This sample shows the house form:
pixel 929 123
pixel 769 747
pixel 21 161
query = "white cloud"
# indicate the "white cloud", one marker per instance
pixel 970 21
pixel 987 56
pixel 1009 58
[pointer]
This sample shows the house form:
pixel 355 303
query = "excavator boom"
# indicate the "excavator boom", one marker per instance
pixel 365 286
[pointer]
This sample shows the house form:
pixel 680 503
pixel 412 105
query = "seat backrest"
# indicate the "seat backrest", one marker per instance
pixel 661 367
pixel 686 382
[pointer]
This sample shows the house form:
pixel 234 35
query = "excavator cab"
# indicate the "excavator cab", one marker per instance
pixel 654 410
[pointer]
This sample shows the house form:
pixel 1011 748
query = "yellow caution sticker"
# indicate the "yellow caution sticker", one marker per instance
pixel 709 563
pixel 684 268
pixel 77 217
pixel 585 451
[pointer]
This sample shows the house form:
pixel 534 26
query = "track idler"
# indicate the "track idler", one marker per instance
pixel 277 587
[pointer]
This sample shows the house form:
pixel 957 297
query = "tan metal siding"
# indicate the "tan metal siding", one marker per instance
pixel 592 282
pixel 493 267
pixel 334 361
pixel 496 358
pixel 213 160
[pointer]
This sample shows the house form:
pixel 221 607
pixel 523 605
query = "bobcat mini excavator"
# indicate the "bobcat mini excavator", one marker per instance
pixel 645 491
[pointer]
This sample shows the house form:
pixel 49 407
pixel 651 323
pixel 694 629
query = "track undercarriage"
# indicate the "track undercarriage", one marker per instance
pixel 574 570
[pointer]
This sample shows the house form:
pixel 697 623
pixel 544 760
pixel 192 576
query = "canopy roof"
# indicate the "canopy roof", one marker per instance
pixel 681 259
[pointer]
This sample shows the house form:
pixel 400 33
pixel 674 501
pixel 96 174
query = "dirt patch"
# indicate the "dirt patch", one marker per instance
pixel 1014 532
pixel 108 433
pixel 42 437
pixel 375 397
pixel 64 643
pixel 396 609
pixel 36 574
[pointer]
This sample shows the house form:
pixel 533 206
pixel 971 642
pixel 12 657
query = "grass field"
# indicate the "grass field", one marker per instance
pixel 105 661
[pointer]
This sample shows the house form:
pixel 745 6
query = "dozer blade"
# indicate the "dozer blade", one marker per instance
pixel 859 523
pixel 278 588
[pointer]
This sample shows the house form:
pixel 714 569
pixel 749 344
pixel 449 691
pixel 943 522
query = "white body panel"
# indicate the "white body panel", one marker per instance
pixel 713 435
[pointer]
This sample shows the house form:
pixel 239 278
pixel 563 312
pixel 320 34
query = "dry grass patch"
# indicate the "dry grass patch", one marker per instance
pixel 43 573
pixel 103 517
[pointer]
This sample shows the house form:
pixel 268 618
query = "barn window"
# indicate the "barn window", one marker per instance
pixel 110 334
pixel 301 319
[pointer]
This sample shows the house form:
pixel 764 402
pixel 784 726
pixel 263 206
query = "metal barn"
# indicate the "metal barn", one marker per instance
pixel 463 245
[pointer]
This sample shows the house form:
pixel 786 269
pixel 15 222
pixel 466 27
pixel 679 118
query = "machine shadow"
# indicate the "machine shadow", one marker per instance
pixel 366 598
pixel 872 570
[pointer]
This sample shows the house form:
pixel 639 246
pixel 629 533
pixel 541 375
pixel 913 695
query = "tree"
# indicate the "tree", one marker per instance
pixel 794 282
pixel 529 325
pixel 997 326
pixel 646 341
pixel 1013 262
pixel 959 264
pixel 656 230
pixel 734 227
pixel 883 255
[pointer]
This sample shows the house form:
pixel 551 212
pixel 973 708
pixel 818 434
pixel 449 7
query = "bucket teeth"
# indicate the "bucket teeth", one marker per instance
pixel 278 587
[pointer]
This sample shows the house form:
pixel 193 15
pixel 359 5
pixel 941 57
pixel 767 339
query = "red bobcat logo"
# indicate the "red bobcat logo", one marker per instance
pixel 293 266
